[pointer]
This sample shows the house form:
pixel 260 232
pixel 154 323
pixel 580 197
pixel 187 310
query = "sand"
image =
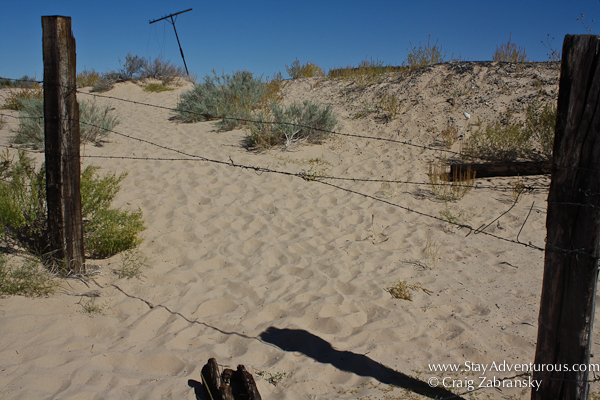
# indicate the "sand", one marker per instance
pixel 288 276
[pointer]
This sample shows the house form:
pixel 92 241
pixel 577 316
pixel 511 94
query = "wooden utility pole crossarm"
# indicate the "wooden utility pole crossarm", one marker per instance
pixel 573 227
pixel 61 125
pixel 172 21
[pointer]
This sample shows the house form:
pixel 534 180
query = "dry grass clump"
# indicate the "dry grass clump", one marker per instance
pixel 510 52
pixel 15 98
pixel 448 189
pixel 449 135
pixel 308 70
pixel 26 279
pixel 87 78
pixel 366 68
pixel 133 262
pixel 401 290
pixel 423 56
pixel 432 252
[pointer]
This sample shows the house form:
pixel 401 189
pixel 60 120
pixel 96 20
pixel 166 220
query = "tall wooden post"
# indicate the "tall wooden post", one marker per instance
pixel 61 123
pixel 573 226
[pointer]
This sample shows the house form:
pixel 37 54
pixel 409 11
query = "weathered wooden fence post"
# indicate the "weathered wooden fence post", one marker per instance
pixel 573 225
pixel 61 124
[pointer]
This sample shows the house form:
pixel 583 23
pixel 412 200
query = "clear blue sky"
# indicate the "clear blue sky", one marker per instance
pixel 265 36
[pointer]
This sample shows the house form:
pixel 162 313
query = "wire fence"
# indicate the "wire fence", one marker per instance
pixel 322 178
pixel 327 179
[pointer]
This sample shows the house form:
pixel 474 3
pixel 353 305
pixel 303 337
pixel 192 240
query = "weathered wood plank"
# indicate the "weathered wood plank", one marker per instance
pixel 486 170
pixel 61 126
pixel 573 226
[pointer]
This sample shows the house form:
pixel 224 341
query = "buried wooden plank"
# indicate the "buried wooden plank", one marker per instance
pixel 487 170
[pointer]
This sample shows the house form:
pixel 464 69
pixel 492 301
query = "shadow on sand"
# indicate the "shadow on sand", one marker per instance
pixel 321 351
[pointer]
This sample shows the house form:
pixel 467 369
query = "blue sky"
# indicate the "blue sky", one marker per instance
pixel 265 36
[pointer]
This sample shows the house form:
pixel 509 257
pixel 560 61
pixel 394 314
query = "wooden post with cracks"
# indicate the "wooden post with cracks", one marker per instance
pixel 61 126
pixel 573 225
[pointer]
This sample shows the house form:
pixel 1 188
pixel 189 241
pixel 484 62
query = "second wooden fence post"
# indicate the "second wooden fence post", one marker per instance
pixel 573 225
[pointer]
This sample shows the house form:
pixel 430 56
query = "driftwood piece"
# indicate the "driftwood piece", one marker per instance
pixel 248 383
pixel 226 389
pixel 516 168
pixel 230 385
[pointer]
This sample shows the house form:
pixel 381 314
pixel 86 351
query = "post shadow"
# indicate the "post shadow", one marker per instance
pixel 320 350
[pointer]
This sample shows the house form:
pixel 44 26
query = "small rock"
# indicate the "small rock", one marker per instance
pixel 467 115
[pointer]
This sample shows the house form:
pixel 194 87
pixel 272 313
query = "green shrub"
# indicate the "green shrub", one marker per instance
pixel 27 279
pixel 95 123
pixel 103 84
pixel 510 52
pixel 308 70
pixel 540 125
pixel 23 211
pixel 87 78
pixel 504 140
pixel 155 87
pixel 306 122
pixel 424 56
pixel 507 139
pixel 229 96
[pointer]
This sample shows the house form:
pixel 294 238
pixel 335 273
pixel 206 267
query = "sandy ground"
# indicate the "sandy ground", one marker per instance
pixel 288 276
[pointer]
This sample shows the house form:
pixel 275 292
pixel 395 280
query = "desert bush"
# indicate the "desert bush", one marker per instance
pixel 108 230
pixel 16 96
pixel 26 279
pixel 232 97
pixel 104 84
pixel 306 122
pixel 132 68
pixel 87 78
pixel 25 82
pixel 95 123
pixel 23 211
pixel 424 56
pixel 504 140
pixel 510 52
pixel 161 69
pixel 449 135
pixel 540 125
pixel 5 83
pixel 308 70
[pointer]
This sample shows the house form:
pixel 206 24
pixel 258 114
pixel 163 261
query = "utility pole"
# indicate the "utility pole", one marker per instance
pixel 172 22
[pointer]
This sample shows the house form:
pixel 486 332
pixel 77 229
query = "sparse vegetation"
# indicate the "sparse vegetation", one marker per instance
pixel 509 139
pixel 24 279
pixel 16 97
pixel 155 87
pixel 510 52
pixel 424 56
pixel 133 262
pixel 401 290
pixel 306 122
pixel 308 70
pixel 449 135
pixel 23 212
pixel 366 68
pixel 229 96
pixel 432 252
pixel 448 189
pixel 87 78
pixel 95 123
pixel 90 307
